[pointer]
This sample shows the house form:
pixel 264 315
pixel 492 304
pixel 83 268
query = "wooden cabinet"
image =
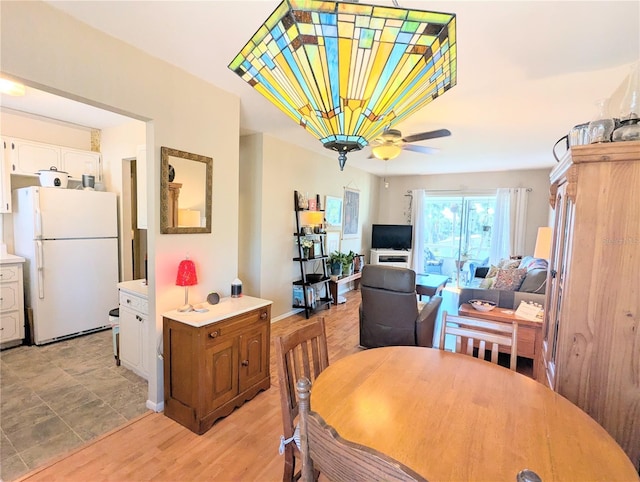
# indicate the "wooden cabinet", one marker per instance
pixel 215 361
pixel 591 333
pixel 12 330
pixel 134 327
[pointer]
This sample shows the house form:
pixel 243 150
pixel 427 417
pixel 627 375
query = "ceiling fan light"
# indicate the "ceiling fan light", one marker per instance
pixel 344 70
pixel 386 152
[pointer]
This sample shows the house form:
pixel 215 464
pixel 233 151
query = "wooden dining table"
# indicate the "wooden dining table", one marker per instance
pixel 451 417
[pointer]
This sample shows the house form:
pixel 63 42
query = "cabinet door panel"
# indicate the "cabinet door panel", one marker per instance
pixel 30 157
pixel 129 338
pixel 10 327
pixel 77 163
pixel 221 373
pixel 254 356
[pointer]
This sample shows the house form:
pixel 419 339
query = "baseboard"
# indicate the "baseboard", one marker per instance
pixel 156 407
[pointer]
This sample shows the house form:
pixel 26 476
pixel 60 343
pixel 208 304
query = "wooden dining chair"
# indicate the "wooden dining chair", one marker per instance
pixel 338 459
pixel 301 353
pixel 481 334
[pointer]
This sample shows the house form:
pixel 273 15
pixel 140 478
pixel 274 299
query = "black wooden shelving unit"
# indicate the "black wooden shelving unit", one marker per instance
pixel 310 280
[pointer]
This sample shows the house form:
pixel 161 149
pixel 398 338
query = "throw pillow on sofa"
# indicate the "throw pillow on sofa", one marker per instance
pixel 509 279
pixel 535 281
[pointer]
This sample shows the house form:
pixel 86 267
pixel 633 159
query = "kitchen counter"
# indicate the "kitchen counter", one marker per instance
pixel 226 308
pixel 10 258
pixel 136 286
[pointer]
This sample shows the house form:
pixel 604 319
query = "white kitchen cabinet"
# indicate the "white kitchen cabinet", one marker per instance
pixel 77 162
pixel 134 326
pixel 29 157
pixel 5 179
pixel 11 301
pixel 141 186
pixel 26 158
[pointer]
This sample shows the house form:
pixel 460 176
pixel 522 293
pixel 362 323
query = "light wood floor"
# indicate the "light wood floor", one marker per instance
pixel 240 447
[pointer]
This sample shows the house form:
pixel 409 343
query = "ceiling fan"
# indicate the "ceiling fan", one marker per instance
pixel 391 143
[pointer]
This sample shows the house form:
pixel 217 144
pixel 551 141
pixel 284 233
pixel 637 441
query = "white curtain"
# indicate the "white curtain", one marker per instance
pixel 418 222
pixel 509 223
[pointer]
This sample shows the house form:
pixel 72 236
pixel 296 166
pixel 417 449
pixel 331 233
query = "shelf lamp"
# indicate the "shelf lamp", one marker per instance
pixel 345 71
pixel 543 243
pixel 186 277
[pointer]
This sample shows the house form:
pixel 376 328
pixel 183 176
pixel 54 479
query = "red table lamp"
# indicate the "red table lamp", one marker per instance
pixel 186 277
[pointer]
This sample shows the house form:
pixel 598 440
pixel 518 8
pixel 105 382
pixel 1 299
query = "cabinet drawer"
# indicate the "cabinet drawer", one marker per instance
pixel 526 341
pixel 9 327
pixel 9 297
pixel 9 273
pixel 134 302
pixel 214 331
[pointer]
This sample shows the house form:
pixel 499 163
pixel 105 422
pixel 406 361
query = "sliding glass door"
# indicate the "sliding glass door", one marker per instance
pixel 457 228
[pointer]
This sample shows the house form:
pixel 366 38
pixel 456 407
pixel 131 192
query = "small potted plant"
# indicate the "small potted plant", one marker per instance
pixel 306 244
pixel 335 263
pixel 347 263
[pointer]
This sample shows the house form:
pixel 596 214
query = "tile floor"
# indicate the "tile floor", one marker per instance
pixel 55 397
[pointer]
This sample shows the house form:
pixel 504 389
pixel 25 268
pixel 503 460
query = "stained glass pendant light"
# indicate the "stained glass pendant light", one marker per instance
pixel 344 71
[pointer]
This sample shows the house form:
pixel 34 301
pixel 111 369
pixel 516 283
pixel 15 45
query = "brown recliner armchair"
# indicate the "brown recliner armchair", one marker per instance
pixel 389 313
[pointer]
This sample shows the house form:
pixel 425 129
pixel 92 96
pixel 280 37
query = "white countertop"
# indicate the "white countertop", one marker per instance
pixel 7 258
pixel 136 286
pixel 226 308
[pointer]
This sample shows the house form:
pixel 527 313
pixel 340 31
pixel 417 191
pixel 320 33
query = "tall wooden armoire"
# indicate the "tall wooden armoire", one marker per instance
pixel 591 333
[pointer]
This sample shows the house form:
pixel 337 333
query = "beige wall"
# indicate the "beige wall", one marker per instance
pixel 63 56
pixel 271 171
pixel 394 203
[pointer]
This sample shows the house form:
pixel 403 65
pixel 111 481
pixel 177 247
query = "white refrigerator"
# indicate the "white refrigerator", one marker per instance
pixel 69 238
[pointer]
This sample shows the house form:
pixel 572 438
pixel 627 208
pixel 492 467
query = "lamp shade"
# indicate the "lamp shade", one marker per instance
pixel 543 243
pixel 186 273
pixel 345 71
pixel 386 151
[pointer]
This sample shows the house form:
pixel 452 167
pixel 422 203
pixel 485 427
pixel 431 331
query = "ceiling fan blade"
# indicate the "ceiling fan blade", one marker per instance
pixel 420 149
pixel 423 136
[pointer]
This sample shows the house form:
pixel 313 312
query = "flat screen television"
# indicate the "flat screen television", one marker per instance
pixel 391 236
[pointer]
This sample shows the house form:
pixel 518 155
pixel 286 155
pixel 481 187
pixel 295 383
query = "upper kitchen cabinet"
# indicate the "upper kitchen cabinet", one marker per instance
pixel 25 157
pixel 28 157
pixel 77 163
pixel 5 182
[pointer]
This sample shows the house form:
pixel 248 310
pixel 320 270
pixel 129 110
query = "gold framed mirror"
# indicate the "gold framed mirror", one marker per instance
pixel 186 182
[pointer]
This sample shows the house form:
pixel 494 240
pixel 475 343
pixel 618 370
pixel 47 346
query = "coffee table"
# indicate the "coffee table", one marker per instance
pixel 430 284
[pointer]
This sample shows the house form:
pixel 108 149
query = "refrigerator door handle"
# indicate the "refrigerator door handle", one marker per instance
pixel 40 268
pixel 38 224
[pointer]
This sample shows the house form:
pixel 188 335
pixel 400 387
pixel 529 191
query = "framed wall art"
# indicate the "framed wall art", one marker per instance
pixel 351 213
pixel 333 211
pixel 333 242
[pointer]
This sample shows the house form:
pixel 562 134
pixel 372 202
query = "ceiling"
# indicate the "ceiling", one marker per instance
pixel 527 72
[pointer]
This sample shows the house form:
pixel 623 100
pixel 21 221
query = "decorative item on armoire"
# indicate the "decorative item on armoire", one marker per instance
pixel 629 128
pixel 601 127
pixel 186 277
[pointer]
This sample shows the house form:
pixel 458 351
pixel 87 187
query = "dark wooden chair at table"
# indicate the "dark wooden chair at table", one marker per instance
pixel 301 353
pixel 484 335
pixel 338 459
